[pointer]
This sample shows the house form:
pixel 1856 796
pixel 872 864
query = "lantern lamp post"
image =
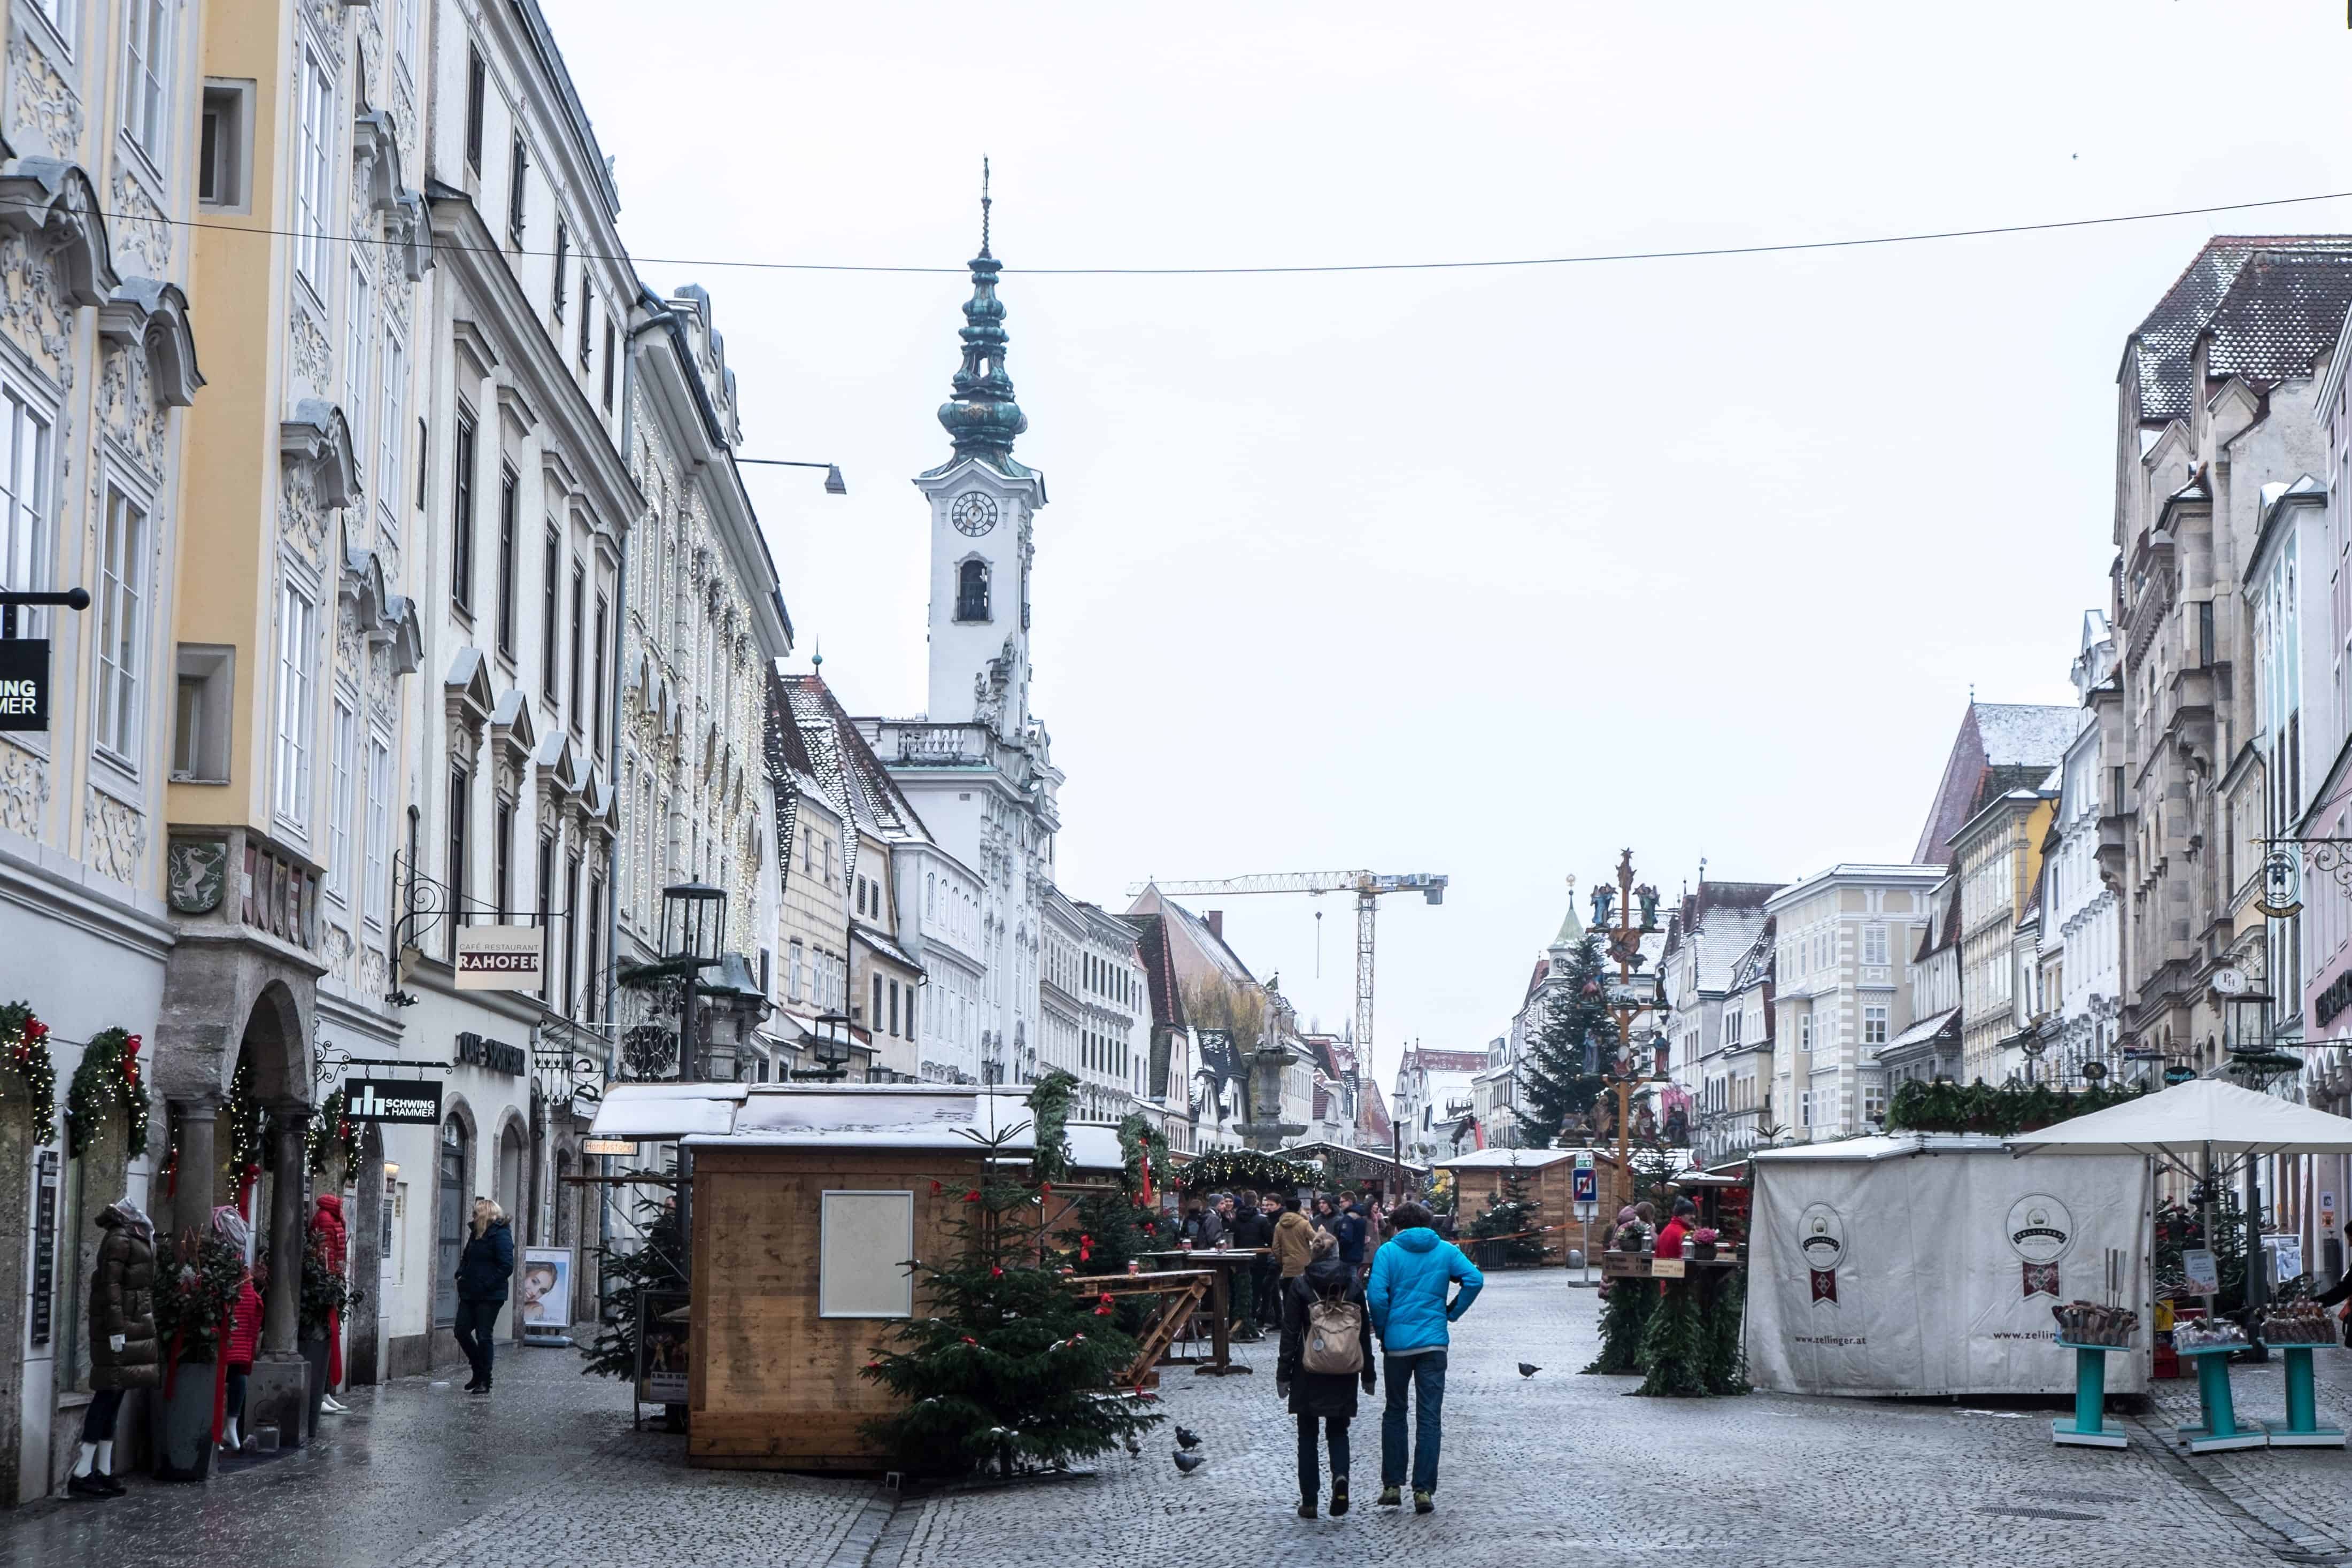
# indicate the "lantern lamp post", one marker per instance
pixel 694 928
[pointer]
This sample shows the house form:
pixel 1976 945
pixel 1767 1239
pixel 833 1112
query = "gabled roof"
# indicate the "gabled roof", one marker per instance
pixel 2282 312
pixel 1159 971
pixel 1432 1060
pixel 2160 353
pixel 1372 1115
pixel 2000 747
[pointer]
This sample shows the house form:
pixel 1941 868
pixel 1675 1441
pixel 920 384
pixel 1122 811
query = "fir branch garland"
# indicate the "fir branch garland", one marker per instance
pixel 1726 1371
pixel 1622 1321
pixel 1049 1115
pixel 1674 1347
pixel 1249 1168
pixel 108 1074
pixel 247 1117
pixel 24 1051
pixel 1140 1141
pixel 331 1131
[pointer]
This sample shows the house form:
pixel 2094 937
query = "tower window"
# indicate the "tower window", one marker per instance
pixel 971 590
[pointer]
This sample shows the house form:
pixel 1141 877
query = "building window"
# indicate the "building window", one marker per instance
pixel 587 312
pixel 342 796
pixel 562 261
pixel 476 99
pixel 971 590
pixel 25 507
pixel 297 618
pixel 146 96
pixel 461 810
pixel 794 955
pixel 379 828
pixel 223 131
pixel 517 187
pixel 593 936
pixel 1804 1031
pixel 546 906
pixel 1873 944
pixel 502 858
pixel 510 504
pixel 461 516
pixel 392 380
pixel 314 172
pixel 596 700
pixel 609 362
pixel 571 946
pixel 549 590
pixel 122 629
pixel 579 614
pixel 357 318
pixel 1873 1025
pixel 874 1018
pixel 1805 1109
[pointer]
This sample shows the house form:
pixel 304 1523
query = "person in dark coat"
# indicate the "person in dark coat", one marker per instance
pixel 123 1351
pixel 1250 1230
pixel 483 1270
pixel 1329 1397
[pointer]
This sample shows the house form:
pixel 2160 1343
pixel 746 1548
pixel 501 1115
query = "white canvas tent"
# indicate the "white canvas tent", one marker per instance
pixel 1927 1264
pixel 2202 1116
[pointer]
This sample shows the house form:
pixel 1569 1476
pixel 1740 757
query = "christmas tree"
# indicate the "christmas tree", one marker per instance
pixel 1512 1214
pixel 1013 1370
pixel 1562 1074
pixel 659 1263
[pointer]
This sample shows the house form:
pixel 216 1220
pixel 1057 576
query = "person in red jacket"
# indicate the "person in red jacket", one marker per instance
pixel 1684 1221
pixel 328 1230
pixel 244 1333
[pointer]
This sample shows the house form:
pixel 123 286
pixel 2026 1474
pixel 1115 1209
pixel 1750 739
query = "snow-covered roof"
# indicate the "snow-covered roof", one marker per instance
pixel 1494 1159
pixel 1888 1147
pixel 1925 1029
pixel 875 1116
pixel 2026 735
pixel 658 1111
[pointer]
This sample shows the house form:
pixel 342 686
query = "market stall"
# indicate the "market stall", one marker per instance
pixel 1548 1177
pixel 2202 1129
pixel 1930 1264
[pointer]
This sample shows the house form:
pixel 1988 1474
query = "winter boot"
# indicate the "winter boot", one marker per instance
pixel 1388 1498
pixel 1339 1496
pixel 1422 1502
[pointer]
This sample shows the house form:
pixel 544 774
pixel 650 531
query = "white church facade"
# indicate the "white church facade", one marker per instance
pixel 977 765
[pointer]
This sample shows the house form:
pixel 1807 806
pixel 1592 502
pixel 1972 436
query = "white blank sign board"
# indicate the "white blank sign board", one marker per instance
pixel 864 1240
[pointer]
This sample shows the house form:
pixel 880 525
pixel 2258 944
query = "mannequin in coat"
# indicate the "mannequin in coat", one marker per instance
pixel 123 1351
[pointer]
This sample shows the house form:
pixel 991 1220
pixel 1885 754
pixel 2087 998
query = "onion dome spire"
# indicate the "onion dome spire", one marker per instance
pixel 982 418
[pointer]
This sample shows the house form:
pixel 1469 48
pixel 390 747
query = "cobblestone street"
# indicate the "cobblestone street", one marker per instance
pixel 548 1472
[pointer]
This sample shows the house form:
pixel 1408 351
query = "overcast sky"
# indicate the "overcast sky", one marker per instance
pixel 1492 572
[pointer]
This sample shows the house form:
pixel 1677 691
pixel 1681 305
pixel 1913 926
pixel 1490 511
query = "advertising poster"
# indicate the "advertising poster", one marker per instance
pixel 543 1292
pixel 663 1336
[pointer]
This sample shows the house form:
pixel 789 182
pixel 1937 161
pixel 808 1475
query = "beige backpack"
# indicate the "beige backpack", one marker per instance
pixel 1335 1337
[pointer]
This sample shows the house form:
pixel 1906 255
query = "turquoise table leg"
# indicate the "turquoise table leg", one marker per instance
pixel 2303 1429
pixel 2090 1428
pixel 2221 1428
pixel 2213 1396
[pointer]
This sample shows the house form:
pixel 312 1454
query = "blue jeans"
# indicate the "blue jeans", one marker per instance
pixel 1428 1371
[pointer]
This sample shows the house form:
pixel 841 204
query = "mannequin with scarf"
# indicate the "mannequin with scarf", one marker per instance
pixel 123 1353
pixel 242 1340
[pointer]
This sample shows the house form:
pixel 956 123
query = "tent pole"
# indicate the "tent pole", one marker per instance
pixel 2205 1200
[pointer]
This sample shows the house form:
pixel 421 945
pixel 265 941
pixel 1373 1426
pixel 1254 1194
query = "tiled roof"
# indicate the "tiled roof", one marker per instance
pixel 839 755
pixel 1159 971
pixel 2163 347
pixel 2283 311
pixel 2027 734
pixel 1433 1061
pixel 1925 1029
pixel 1372 1115
pixel 2000 747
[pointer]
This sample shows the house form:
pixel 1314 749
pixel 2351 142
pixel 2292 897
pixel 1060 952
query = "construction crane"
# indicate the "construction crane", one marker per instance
pixel 1368 887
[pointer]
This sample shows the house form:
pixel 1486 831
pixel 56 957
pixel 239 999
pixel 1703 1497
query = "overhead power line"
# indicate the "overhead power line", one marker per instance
pixel 1588 258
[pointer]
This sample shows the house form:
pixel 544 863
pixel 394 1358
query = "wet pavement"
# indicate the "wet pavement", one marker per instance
pixel 546 1472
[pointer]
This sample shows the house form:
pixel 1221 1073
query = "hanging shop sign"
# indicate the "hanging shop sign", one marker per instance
pixel 24 683
pixel 44 1243
pixel 492 1055
pixel 500 958
pixel 407 1102
pixel 2282 895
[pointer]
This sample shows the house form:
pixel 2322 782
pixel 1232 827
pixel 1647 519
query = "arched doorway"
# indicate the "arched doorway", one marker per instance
pixel 454 1208
pixel 514 1171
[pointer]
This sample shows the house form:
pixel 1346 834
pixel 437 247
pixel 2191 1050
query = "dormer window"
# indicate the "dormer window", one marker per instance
pixel 971 590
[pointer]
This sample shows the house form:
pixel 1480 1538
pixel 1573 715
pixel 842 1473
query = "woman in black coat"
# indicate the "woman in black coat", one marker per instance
pixel 1327 1396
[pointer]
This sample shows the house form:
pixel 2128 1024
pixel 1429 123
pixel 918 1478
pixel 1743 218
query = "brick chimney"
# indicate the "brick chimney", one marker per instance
pixel 1217 924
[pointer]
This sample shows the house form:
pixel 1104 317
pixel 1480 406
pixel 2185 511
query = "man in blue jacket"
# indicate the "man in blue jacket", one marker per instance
pixel 1412 1275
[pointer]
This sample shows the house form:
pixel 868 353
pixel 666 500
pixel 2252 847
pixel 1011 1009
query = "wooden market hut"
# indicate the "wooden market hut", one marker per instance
pixel 1549 1176
pixel 805 1211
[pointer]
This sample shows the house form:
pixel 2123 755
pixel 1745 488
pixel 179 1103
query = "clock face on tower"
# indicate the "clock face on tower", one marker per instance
pixel 974 513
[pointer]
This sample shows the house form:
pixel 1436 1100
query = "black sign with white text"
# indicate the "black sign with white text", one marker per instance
pixel 24 683
pixel 405 1101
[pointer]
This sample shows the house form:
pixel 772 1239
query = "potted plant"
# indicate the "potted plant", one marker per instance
pixel 1703 1240
pixel 196 1280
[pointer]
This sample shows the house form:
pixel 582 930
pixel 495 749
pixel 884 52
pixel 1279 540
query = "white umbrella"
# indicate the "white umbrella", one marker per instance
pixel 2204 1116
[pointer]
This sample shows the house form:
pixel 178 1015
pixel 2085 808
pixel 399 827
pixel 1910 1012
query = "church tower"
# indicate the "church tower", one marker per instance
pixel 983 502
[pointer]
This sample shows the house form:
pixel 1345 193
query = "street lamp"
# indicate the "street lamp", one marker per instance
pixel 832 485
pixel 694 924
pixel 829 1037
pixel 2033 1045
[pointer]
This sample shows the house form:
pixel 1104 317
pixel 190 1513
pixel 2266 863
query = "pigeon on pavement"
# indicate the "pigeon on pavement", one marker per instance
pixel 1526 1370
pixel 1188 1463
pixel 1186 1437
